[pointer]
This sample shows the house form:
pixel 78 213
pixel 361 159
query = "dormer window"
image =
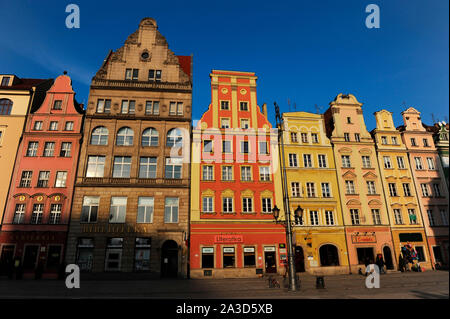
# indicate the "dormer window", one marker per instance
pixel 425 142
pixel 57 105
pixel 413 142
pixel 5 81
pixel 349 120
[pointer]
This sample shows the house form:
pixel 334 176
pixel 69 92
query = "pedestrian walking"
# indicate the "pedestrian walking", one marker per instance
pixel 380 263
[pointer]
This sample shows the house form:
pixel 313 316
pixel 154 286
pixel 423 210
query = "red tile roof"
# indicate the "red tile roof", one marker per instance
pixel 185 63
pixel 24 84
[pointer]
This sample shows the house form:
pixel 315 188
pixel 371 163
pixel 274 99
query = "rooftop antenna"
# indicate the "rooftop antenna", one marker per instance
pixel 289 104
pixel 432 118
pixel 317 107
pixel 295 106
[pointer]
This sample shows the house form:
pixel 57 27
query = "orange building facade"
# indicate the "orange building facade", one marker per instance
pixel 235 182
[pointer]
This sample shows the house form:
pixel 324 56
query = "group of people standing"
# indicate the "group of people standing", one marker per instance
pixel 408 259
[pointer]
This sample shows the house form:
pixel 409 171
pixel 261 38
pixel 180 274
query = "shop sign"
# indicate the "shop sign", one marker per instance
pixel 208 250
pixel 271 248
pixel 228 250
pixel 249 249
pixel 363 238
pixel 228 239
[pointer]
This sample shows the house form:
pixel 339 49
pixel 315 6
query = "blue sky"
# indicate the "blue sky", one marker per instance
pixel 305 51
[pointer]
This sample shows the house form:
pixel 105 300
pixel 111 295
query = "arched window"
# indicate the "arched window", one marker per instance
pixel 99 136
pixel 150 137
pixel 329 256
pixel 5 106
pixel 125 136
pixel 174 137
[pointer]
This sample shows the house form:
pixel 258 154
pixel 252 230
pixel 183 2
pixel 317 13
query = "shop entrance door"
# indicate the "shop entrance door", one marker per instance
pixel 30 257
pixel 271 260
pixel 6 258
pixel 169 259
pixel 299 259
pixel 388 258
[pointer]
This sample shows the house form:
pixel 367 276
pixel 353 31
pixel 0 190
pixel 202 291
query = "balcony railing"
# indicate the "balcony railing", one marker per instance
pixel 133 181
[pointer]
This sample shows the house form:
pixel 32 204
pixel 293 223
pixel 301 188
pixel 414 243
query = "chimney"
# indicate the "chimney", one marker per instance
pixel 264 110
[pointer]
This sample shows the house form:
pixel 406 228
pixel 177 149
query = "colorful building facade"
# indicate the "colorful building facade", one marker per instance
pixel 429 180
pixel 441 141
pixel 131 205
pixel 37 213
pixel 320 240
pixel 235 184
pixel 363 205
pixel 406 220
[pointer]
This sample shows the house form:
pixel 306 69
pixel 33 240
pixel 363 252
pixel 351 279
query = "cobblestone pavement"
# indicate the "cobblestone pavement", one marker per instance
pixel 428 285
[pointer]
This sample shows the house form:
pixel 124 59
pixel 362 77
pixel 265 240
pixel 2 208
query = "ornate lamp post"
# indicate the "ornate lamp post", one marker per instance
pixel 287 223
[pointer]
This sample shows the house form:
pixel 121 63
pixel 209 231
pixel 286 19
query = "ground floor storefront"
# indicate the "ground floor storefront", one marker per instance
pixel 365 243
pixel 414 237
pixel 321 250
pixel 31 253
pixel 439 251
pixel 225 250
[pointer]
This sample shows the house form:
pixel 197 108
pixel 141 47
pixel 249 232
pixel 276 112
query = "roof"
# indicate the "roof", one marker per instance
pixel 185 64
pixel 24 84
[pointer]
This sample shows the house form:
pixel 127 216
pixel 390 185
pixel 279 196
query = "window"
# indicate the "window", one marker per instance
pixel 227 173
pixel 412 216
pixel 57 105
pixel 357 137
pixel 49 149
pixel 173 167
pixel 430 217
pixel 349 120
pixel 95 166
pixel 430 162
pixel 208 172
pixel 131 74
pixel 315 138
pixel 207 257
pixel 124 136
pixel 444 217
pixel 347 137
pixel 174 138
pixel 224 123
pixel 295 189
pixel 322 159
pixel 307 161
pixel 113 256
pixel 249 257
pixel 420 253
pixel 346 161
pixel 5 81
pixel 376 216
pixel 32 148
pixel 227 204
pixel 263 148
pixel 371 188
pixel 152 107
pixel 118 210
pixel 425 142
pixel 5 106
pixel 406 190
pixel 55 214
pixel 354 215
pixel 147 167
pixel 393 189
pixel 349 187
pixel 53 126
pixel 128 107
pixel 207 204
pixel 366 161
pixel 38 126
pixel 176 108
pixel 65 149
pixel 314 217
pixel 19 214
pixel 247 204
pixel 387 162
pixel 246 173
pixel 43 178
pixel 142 254
pixel 99 136
pixel 266 205
pixel 326 192
pixel 413 142
pixel 228 257
pixel 244 147
pixel 425 191
pixel 171 210
pixel 150 137
pixel 398 216
pixel 243 106
pixel 394 140
pixel 329 218
pixel 304 137
pixel 103 106
pixel 207 146
pixel 38 212
pixel 226 146
pixel 401 162
pixel 293 160
pixel 245 124
pixel 264 173
pixel 437 190
pixel 418 162
pixel 61 178
pixel 224 105
pixel 122 167
pixel 311 189
pixel 145 209
pixel 68 126
pixel 154 75
pixel 384 140
pixel 89 209
pixel 25 180
pixel 294 138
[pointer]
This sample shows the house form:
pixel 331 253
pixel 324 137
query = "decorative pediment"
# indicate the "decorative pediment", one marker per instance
pixel 353 202
pixel 247 193
pixel 228 193
pixel 266 193
pixel 349 174
pixel 345 150
pixel 370 175
pixel 21 196
pixel 208 193
pixel 396 205
pixel 410 204
pixel 375 202
pixel 57 197
pixel 365 151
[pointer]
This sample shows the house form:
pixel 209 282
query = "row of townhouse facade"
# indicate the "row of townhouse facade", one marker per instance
pixel 126 184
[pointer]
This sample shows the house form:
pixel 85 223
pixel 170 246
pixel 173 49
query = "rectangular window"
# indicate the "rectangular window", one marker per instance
pixel 174 167
pixel 294 138
pixel 207 172
pixel 401 162
pixel 227 204
pixel 145 209
pixel 307 161
pixel 430 162
pixel 225 123
pixel 425 190
pixel 113 258
pixel 315 138
pixel 207 146
pixel 152 107
pixel 406 190
pixel 61 178
pixel 57 105
pixel 444 217
pixel 53 126
pixel 245 124
pixel 38 212
pixel 122 167
pixel 304 137
pixel 19 214
pixel 32 148
pixel 413 142
pixel 179 108
pixel 89 210
pixel 263 149
pixel 371 188
pixel 38 126
pixel 314 218
pixel 393 189
pixel 322 159
pixel 349 120
pixel 412 216
pixel 376 216
pixel 207 204
pixel 131 74
pixel 295 188
pixel 249 257
pixel 244 147
pixel 68 126
pixel 354 215
pixel 55 214
pixel 243 106
pixel 207 257
pixel 128 107
pixel 394 140
pixel 357 137
pixel 95 166
pixel 25 179
pixel 247 204
pixel 266 205
pixel 425 142
pixel 246 173
pixel 103 106
pixel 118 210
pixel 418 162
pixel 147 167
pixel 228 257
pixel 226 146
pixel 366 161
pixel 437 190
pixel 293 160
pixel 346 161
pixel 66 147
pixel 387 162
pixel 5 81
pixel 173 108
pixel 347 137
pixel 227 173
pixel 43 179
pixel 171 210
pixel 310 189
pixel 49 149
pixel 142 254
pixel 224 105
pixel 264 173
pixel 329 218
pixel 430 217
pixel 326 192
pixel 349 187
pixel 384 140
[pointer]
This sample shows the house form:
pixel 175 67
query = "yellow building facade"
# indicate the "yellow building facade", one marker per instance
pixel 405 216
pixel 319 236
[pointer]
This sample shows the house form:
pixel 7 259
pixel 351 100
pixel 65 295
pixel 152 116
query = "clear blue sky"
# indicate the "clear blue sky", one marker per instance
pixel 307 51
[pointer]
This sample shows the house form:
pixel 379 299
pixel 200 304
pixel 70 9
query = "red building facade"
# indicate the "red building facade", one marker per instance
pixel 235 182
pixel 36 218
